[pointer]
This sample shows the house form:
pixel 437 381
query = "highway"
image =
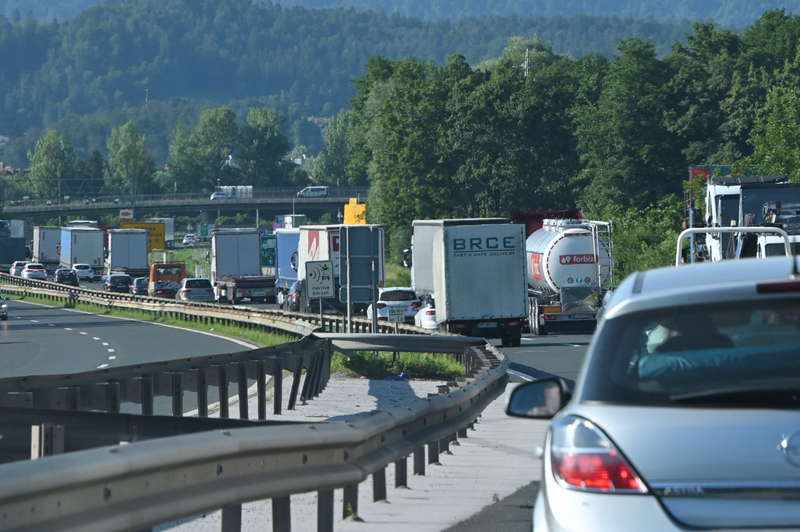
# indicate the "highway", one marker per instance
pixel 42 340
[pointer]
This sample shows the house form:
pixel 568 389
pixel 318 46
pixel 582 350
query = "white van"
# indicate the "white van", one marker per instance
pixel 313 192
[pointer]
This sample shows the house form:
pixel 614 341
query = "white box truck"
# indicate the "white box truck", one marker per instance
pixel 236 267
pixel 82 245
pixel 477 268
pixel 46 243
pixel 127 252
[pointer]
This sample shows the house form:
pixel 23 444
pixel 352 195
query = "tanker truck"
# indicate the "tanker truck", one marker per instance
pixel 569 270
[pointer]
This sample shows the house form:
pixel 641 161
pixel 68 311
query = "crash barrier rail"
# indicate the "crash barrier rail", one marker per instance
pixel 787 244
pixel 296 323
pixel 137 486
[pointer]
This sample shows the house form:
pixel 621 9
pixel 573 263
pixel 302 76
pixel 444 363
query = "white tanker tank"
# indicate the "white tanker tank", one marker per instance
pixel 569 265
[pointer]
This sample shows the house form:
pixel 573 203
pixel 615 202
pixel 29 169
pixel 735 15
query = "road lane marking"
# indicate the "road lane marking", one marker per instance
pixel 112 358
pixel 105 343
pixel 95 338
pixel 51 324
pixel 35 321
pixel 101 366
pixel 110 350
pixel 84 333
pixel 67 329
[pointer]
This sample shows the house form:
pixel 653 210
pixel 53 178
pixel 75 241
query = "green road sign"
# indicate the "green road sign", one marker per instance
pixel 268 251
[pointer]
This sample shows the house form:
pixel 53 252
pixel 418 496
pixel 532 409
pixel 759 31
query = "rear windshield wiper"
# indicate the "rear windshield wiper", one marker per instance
pixel 789 393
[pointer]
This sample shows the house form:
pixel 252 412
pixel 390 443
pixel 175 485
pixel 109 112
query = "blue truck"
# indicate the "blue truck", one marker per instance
pixel 287 242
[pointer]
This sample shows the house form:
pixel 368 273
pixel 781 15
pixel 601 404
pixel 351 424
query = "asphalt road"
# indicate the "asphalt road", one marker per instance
pixel 42 340
pixel 539 357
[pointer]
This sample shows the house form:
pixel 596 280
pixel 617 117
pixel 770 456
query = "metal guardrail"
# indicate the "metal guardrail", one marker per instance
pixel 170 478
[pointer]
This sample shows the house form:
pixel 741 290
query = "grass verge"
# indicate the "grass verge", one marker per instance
pixel 416 365
pixel 255 336
pixel 360 363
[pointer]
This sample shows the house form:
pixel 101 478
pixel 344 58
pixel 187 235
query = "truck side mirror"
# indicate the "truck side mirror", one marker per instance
pixel 407 258
pixel 293 258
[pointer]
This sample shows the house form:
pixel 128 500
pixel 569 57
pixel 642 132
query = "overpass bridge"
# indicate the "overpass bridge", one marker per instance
pixel 269 202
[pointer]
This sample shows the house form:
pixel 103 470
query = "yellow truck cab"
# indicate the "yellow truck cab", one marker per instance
pixel 165 279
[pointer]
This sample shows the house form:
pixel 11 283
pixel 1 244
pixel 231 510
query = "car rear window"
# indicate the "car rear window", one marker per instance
pixel 198 283
pixel 663 356
pixel 119 279
pixel 398 295
pixel 169 271
pixel 81 267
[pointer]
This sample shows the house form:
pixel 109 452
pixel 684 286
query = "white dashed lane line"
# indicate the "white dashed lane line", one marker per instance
pixel 51 324
pixel 112 358
pixel 110 350
pixel 105 343
pixel 95 338
pixel 101 366
pixel 84 333
pixel 35 321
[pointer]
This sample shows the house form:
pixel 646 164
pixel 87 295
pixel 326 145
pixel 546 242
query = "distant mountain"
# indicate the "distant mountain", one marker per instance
pixel 736 13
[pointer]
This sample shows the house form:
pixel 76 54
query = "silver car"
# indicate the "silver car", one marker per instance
pixel 686 414
pixel 195 289
pixel 34 271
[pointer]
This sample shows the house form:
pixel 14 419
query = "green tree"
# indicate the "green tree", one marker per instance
pixel 628 155
pixel 130 167
pixel 214 142
pixel 53 165
pixel 264 148
pixel 331 165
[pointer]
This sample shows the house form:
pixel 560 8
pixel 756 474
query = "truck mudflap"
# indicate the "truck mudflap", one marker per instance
pixel 509 330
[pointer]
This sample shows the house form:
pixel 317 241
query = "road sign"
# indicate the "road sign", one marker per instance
pixel 362 247
pixel 268 251
pixel 397 314
pixel 319 279
pixel 203 230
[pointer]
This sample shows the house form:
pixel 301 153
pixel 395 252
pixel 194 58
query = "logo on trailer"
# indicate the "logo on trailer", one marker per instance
pixel 588 280
pixel 536 267
pixel 587 258
pixel 570 280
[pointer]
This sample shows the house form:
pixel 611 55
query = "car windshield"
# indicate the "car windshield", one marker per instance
pixel 662 356
pixel 175 270
pixel 198 283
pixel 398 295
pixel 119 279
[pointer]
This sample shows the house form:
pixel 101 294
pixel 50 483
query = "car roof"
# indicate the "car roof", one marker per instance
pixel 393 288
pixel 705 282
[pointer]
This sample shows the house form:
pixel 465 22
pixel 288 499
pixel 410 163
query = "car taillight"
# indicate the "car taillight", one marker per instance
pixel 159 291
pixel 583 458
pixel 430 313
pixel 209 290
pixel 514 324
pixel 381 305
pixel 459 326
pixel 416 304
pixel 184 291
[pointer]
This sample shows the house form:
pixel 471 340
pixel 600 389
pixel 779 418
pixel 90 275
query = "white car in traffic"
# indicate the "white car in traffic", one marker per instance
pixel 425 318
pixel 396 299
pixel 34 270
pixel 84 272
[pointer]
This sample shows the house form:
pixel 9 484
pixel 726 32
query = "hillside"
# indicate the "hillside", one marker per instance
pixel 735 13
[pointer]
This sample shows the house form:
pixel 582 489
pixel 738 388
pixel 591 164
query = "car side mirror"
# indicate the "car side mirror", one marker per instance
pixel 540 399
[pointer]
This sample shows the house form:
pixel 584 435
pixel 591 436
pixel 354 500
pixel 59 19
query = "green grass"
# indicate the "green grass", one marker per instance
pixel 397 275
pixel 415 365
pixel 360 363
pixel 255 336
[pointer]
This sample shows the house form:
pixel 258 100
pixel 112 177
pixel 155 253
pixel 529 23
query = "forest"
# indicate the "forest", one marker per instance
pixel 161 63
pixel 731 13
pixel 531 129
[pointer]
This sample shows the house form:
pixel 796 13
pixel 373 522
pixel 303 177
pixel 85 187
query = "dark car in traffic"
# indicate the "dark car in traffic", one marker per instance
pixel 139 287
pixel 66 276
pixel 118 283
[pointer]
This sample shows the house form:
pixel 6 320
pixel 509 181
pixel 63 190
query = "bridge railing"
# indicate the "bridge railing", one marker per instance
pixel 83 201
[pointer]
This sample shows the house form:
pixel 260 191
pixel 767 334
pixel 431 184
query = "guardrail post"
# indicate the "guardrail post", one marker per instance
pixel 401 473
pixel 177 394
pixel 325 511
pixel 112 397
pixel 350 501
pixel 47 439
pixel 282 514
pixel 261 384
pixel 433 452
pixel 72 398
pixel 222 381
pixel 147 395
pixel 241 381
pixel 307 389
pixel 298 372
pixel 232 518
pixel 444 445
pixel 277 386
pixel 379 485
pixel 202 392
pixel 419 461
pixel 462 433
